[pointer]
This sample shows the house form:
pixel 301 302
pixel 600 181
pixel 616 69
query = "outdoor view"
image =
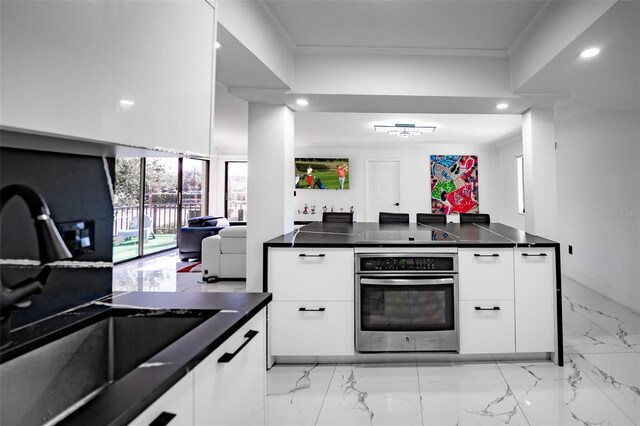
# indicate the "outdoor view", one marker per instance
pixel 236 209
pixel 163 211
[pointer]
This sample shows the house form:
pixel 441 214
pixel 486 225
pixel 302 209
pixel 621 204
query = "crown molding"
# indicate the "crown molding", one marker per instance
pixel 400 51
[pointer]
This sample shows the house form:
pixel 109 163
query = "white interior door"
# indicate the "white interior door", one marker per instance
pixel 383 187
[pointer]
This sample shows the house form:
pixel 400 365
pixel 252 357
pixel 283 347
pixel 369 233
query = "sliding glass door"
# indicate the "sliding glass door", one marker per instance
pixel 154 197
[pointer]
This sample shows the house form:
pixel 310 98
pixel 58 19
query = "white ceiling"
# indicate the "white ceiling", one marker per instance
pixel 356 129
pixel 419 24
pixel 611 80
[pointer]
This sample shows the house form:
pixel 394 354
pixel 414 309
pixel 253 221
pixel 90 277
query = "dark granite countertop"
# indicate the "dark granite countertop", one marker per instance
pixel 370 234
pixel 120 402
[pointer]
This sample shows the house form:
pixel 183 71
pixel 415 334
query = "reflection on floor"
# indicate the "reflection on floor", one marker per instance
pixel 599 384
pixel 158 273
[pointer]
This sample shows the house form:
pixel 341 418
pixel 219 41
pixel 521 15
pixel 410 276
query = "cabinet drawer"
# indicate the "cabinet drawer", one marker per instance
pixel 486 274
pixel 175 404
pixel 312 328
pixel 535 299
pixel 323 274
pixel 487 330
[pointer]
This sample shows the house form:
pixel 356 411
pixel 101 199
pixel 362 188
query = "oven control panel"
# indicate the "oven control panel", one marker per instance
pixel 406 263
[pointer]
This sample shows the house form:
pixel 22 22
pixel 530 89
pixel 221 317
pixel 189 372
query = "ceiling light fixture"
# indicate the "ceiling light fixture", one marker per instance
pixel 404 130
pixel 218 45
pixel 502 106
pixel 590 53
pixel 125 103
pixel 302 102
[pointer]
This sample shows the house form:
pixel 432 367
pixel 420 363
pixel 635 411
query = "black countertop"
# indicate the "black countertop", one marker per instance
pixel 122 401
pixel 370 234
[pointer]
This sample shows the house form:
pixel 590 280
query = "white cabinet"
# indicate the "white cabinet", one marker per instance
pixel 535 299
pixel 486 327
pixel 67 65
pixel 230 384
pixel 313 308
pixel 175 406
pixel 486 274
pixel 312 328
pixel 486 309
pixel 323 274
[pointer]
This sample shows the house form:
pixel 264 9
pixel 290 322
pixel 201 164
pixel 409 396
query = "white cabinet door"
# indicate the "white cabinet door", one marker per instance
pixel 486 327
pixel 67 65
pixel 312 328
pixel 535 299
pixel 175 405
pixel 231 389
pixel 486 274
pixel 322 274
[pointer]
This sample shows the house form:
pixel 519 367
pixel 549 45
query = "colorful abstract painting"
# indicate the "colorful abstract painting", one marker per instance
pixel 454 184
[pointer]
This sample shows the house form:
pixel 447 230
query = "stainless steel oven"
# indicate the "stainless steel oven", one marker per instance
pixel 407 302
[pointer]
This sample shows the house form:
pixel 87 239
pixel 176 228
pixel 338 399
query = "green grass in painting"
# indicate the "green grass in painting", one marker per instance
pixel 325 170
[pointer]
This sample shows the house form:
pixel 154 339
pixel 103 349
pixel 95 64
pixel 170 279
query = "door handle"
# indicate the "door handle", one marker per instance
pixel 163 419
pixel 495 308
pixel 227 357
pixel 311 310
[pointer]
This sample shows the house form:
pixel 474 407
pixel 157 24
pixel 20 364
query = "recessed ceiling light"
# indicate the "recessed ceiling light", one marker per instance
pixel 502 106
pixel 590 53
pixel 218 45
pixel 126 103
pixel 302 102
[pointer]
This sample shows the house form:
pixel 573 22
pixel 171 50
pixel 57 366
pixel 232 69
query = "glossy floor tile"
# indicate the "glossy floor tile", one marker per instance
pixel 158 273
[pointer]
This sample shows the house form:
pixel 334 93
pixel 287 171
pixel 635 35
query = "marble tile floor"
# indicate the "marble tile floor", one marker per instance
pixel 599 384
pixel 158 273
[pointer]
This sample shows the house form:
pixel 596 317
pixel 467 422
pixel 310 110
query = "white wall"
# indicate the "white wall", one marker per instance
pixel 599 202
pixel 508 184
pixel 415 178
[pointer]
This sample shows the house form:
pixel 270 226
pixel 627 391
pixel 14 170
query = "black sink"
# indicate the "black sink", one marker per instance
pixel 50 382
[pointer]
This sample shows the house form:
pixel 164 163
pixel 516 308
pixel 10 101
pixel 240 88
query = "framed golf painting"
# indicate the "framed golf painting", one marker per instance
pixel 322 173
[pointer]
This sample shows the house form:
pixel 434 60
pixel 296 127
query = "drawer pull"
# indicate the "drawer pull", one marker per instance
pixel 163 419
pixel 227 357
pixel 480 308
pixel 535 255
pixel 311 310
pixel 311 255
pixel 486 255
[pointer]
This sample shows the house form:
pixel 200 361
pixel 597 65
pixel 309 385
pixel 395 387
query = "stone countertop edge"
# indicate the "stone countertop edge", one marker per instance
pixel 121 402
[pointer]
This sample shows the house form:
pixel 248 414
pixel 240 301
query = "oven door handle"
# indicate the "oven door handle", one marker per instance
pixel 405 281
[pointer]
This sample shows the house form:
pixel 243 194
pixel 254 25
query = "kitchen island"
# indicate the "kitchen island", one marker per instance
pixel 197 375
pixel 505 291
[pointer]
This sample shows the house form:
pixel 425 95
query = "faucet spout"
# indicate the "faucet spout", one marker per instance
pixel 50 246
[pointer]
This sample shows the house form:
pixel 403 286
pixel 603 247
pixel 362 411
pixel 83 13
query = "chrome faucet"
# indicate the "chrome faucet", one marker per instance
pixel 50 246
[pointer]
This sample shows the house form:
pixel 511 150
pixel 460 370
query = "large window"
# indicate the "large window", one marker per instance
pixel 520 172
pixel 235 191
pixel 153 198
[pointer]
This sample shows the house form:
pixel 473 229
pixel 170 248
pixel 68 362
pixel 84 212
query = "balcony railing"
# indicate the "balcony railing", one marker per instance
pixel 164 217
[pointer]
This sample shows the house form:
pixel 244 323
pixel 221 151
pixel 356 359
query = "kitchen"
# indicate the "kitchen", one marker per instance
pixel 65 102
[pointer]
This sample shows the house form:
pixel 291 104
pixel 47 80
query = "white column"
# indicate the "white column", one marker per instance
pixel 270 184
pixel 540 181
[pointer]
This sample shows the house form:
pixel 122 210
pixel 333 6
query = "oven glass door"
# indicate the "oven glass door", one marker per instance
pixel 407 304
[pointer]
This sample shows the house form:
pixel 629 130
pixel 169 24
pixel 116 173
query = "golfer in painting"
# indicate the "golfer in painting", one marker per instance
pixel 309 176
pixel 342 169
